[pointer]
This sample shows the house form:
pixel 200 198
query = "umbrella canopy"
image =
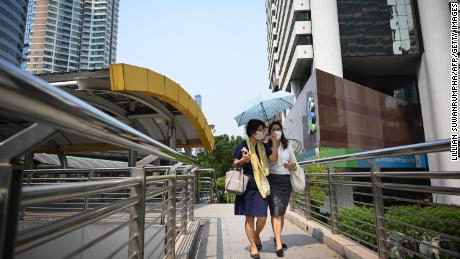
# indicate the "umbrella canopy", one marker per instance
pixel 265 107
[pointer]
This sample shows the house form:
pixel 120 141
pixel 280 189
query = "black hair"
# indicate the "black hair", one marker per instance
pixel 252 126
pixel 284 140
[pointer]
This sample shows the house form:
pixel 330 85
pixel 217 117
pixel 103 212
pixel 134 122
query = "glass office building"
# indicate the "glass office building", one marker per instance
pixel 376 27
pixel 12 26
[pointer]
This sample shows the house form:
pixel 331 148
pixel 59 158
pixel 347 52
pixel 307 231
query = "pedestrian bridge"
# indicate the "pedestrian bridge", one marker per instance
pixel 169 209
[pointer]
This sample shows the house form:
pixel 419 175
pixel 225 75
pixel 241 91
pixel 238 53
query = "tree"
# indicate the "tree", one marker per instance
pixel 220 158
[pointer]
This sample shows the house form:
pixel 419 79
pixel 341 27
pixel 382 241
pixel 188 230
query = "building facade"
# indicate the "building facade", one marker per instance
pixel 67 35
pixel 396 49
pixel 12 23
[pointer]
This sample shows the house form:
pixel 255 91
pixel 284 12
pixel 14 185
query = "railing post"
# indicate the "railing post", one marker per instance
pixel 11 182
pixel 307 196
pixel 183 224
pixel 171 226
pixel 379 211
pixel 211 199
pixel 86 204
pixel 195 186
pixel 332 201
pixel 137 227
pixel 193 196
pixel 171 214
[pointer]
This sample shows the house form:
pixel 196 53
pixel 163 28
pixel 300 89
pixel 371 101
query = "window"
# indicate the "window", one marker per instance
pixel 303 16
pixel 304 40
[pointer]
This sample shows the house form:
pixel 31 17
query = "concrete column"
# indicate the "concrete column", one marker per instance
pixel 434 86
pixel 296 88
pixel 327 54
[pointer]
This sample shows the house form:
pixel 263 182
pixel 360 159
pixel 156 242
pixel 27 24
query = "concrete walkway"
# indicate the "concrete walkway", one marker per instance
pixel 224 237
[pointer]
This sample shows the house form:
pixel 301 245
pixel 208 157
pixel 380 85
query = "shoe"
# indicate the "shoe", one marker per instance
pixel 259 246
pixel 255 256
pixel 280 252
pixel 283 245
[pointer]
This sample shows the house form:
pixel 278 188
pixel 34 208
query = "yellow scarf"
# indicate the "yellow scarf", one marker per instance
pixel 260 168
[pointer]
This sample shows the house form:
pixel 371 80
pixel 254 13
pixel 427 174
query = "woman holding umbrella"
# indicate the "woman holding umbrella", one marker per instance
pixel 253 155
pixel 280 182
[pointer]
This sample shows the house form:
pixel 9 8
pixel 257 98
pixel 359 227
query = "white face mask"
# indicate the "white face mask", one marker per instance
pixel 259 135
pixel 278 134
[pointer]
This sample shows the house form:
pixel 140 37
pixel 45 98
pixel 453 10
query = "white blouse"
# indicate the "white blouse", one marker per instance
pixel 284 155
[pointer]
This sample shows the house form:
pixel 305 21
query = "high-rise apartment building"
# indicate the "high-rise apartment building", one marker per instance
pixel 290 50
pixel 12 26
pixel 68 35
pixel 367 74
pixel 99 33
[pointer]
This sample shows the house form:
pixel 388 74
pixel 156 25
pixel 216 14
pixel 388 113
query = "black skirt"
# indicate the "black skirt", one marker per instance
pixel 280 191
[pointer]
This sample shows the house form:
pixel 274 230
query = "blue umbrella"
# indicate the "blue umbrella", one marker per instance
pixel 265 107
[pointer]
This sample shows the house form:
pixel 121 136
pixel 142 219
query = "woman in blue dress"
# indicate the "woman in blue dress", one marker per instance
pixel 253 202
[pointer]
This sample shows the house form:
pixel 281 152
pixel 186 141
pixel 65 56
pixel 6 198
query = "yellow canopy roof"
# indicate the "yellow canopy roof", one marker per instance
pixel 128 78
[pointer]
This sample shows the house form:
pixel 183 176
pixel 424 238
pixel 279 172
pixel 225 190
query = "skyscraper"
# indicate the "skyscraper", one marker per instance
pixel 12 25
pixel 69 35
pixel 99 33
pixel 346 51
pixel 198 99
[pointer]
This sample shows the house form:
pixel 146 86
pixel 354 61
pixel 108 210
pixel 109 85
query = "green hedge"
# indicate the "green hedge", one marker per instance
pixel 404 214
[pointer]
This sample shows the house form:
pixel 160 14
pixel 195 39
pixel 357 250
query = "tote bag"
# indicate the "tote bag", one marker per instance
pixel 298 179
pixel 235 182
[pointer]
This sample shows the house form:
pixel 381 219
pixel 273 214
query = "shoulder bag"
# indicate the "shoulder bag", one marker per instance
pixel 235 182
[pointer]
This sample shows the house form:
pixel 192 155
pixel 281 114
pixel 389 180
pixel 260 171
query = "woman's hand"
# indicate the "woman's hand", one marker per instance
pixel 290 165
pixel 275 142
pixel 246 158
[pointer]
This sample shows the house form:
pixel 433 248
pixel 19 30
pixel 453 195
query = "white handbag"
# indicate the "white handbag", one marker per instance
pixel 235 182
pixel 298 179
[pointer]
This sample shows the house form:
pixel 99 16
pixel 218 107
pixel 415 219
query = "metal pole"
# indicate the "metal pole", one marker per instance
pixel 171 212
pixel 193 197
pixel 332 201
pixel 307 196
pixel 183 224
pixel 11 182
pixel 379 212
pixel 28 165
pixel 63 160
pixel 132 158
pixel 171 226
pixel 86 204
pixel 137 227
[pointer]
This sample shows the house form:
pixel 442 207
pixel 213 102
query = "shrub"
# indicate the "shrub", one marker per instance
pixel 397 217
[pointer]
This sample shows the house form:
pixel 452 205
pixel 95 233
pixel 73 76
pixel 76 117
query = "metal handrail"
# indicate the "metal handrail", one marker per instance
pixel 35 195
pixel 51 109
pixel 31 98
pixel 413 149
pixel 181 187
pixel 386 191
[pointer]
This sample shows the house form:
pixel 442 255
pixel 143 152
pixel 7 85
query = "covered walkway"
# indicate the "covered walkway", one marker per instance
pixel 223 237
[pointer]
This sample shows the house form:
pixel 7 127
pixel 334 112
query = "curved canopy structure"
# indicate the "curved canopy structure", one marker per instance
pixel 132 79
pixel 143 99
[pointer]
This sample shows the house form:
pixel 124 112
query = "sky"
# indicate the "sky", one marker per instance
pixel 214 48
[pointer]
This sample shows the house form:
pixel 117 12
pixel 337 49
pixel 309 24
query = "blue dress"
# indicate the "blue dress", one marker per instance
pixel 250 203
